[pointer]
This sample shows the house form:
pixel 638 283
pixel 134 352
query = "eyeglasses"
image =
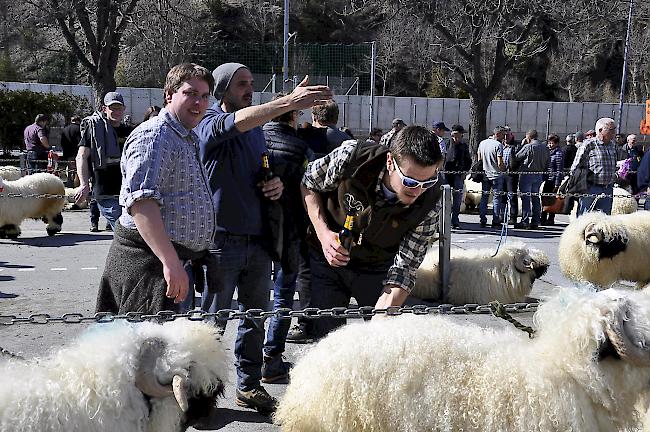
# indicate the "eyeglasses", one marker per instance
pixel 412 183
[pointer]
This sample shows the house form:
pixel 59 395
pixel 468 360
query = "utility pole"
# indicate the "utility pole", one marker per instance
pixel 621 98
pixel 285 48
pixel 373 55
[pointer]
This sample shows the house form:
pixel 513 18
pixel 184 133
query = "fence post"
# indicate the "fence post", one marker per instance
pixel 444 241
pixel 23 164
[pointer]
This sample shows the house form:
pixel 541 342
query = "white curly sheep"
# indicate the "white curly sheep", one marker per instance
pixel 585 369
pixel 118 377
pixel 478 277
pixel 14 210
pixel 10 173
pixel 604 249
pixel 623 202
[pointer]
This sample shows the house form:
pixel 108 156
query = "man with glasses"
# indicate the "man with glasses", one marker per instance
pixel 395 195
pixel 598 155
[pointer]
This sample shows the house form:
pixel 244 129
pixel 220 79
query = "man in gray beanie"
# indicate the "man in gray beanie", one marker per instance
pixel 231 145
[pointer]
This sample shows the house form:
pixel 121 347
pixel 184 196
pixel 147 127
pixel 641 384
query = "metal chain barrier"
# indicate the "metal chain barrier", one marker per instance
pixel 282 313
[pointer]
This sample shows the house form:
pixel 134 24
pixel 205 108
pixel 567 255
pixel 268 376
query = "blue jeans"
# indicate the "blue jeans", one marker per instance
pixel 456 182
pixel 32 165
pixel 111 209
pixel 488 185
pixel 334 286
pixel 243 263
pixel 603 204
pixel 530 183
pixel 646 206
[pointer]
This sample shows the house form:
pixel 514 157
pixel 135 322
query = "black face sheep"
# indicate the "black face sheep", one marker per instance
pixel 584 371
pixel 604 249
pixel 13 211
pixel 478 277
pixel 117 377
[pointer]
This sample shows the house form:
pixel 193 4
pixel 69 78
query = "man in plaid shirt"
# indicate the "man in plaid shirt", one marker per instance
pixel 395 195
pixel 598 154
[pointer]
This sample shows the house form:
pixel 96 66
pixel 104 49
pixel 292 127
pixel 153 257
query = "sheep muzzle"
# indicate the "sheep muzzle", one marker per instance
pixel 629 343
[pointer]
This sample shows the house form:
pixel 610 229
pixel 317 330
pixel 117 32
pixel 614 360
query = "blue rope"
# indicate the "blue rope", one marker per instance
pixel 504 227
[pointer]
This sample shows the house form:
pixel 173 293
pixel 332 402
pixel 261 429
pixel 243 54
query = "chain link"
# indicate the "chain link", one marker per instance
pixel 259 314
pixel 543 194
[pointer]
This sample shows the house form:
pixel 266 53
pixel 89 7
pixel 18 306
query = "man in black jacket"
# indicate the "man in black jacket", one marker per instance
pixel 289 156
pixel 458 159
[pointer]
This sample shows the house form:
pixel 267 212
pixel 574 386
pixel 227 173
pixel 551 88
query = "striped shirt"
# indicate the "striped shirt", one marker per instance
pixel 601 161
pixel 161 162
pixel 325 174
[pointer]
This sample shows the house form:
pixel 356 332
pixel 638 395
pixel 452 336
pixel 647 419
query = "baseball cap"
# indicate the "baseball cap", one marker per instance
pixel 440 125
pixel 113 98
pixel 397 121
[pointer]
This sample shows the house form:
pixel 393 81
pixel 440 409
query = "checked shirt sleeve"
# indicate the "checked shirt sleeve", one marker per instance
pixel 411 252
pixel 324 174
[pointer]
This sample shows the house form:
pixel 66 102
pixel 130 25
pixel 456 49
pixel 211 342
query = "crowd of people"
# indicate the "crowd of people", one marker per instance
pixel 210 196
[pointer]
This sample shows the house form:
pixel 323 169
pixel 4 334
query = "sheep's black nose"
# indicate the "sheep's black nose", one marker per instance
pixel 540 271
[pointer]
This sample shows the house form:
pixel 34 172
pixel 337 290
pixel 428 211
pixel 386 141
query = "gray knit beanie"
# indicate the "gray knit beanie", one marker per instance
pixel 222 76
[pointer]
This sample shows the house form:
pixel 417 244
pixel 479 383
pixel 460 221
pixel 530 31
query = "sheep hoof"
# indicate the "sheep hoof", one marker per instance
pixel 13 235
pixel 52 231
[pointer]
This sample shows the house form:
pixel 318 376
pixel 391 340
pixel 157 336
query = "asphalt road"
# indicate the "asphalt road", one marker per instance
pixel 60 274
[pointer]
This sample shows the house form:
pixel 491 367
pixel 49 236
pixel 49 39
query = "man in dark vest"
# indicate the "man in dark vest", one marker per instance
pixel 394 194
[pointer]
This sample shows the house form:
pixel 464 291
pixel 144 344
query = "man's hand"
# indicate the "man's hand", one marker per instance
pixel 81 194
pixel 392 296
pixel 177 281
pixel 306 96
pixel 272 189
pixel 335 254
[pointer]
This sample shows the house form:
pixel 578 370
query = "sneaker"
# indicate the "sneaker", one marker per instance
pixel 275 369
pixel 299 334
pixel 521 225
pixel 94 228
pixel 257 399
pixel 483 224
pixel 108 227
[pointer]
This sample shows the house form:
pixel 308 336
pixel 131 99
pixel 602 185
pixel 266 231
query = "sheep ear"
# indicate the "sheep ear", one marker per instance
pixel 627 337
pixel 145 377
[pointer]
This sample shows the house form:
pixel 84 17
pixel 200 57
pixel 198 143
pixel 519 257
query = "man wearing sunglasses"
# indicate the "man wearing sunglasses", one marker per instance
pixel 395 194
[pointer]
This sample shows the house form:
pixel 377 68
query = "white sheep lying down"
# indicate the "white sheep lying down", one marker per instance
pixel 13 211
pixel 10 173
pixel 623 202
pixel 118 377
pixel 604 249
pixel 477 277
pixel 585 369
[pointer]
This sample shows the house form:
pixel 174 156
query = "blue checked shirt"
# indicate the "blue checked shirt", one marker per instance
pixel 601 161
pixel 161 162
pixel 324 174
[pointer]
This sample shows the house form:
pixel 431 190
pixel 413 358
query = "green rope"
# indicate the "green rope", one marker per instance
pixel 499 311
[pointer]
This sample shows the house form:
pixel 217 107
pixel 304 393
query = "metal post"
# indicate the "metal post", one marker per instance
pixel 415 114
pixel 357 86
pixel 373 54
pixel 548 122
pixel 285 48
pixel 273 84
pixel 444 241
pixel 621 98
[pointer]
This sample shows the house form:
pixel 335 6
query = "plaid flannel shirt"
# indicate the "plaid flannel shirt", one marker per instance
pixel 324 175
pixel 601 161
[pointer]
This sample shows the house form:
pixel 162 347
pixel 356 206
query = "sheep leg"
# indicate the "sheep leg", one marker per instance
pixel 54 225
pixel 11 231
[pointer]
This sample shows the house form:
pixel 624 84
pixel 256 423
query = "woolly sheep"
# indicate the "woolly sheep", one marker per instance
pixel 117 377
pixel 584 371
pixel 10 173
pixel 71 202
pixel 623 204
pixel 604 249
pixel 14 210
pixel 472 199
pixel 477 277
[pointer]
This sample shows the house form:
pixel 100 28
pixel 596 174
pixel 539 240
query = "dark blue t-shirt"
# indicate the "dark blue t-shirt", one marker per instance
pixel 233 161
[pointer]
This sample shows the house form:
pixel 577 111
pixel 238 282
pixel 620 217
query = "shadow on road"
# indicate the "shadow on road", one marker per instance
pixel 5 264
pixel 6 295
pixel 59 240
pixel 224 416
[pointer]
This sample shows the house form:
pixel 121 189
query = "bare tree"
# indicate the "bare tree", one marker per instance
pixel 93 30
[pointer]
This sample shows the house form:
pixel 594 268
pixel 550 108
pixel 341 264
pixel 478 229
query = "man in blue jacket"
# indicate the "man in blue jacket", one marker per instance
pixel 643 179
pixel 231 146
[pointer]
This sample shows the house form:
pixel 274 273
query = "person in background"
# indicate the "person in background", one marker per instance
pixel 152 111
pixel 37 144
pixel 322 136
pixel 643 179
pixel 490 153
pixel 533 159
pixel 70 137
pixel 555 174
pixel 459 160
pixel 440 129
pixel 375 136
pixel 398 125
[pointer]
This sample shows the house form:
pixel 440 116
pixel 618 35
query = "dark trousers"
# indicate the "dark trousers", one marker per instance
pixel 334 286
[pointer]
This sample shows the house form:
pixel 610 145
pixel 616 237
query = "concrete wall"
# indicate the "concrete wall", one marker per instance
pixel 355 110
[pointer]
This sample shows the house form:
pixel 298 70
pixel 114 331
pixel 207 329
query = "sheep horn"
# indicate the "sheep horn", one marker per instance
pixel 179 386
pixel 145 378
pixel 626 338
pixel 593 235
